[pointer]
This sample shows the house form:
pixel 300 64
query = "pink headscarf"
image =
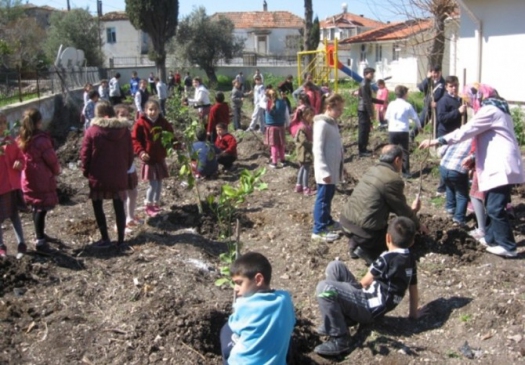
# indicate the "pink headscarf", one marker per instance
pixel 476 92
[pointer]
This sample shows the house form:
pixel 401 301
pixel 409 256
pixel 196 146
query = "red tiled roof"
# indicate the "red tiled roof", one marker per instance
pixel 114 15
pixel 391 32
pixel 263 19
pixel 43 7
pixel 349 20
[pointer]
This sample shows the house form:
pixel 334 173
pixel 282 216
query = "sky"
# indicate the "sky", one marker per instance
pixel 374 9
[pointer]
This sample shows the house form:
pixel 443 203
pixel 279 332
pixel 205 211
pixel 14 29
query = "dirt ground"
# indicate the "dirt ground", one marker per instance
pixel 158 303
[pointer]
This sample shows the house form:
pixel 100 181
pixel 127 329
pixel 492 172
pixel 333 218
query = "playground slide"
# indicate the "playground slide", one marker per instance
pixel 353 75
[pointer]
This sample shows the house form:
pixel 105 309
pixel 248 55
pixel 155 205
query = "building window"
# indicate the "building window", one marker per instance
pixel 395 52
pixel 379 53
pixel 261 44
pixel 111 34
pixel 332 34
pixel 363 53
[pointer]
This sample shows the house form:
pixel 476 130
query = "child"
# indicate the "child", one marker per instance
pixel 103 90
pixel 304 102
pixel 134 83
pixel 89 108
pixel 187 84
pixel 206 163
pixel 151 152
pixel 107 155
pixel 455 177
pixel 162 92
pixel 115 94
pixel 151 82
pixel 365 111
pixel 341 297
pixel 141 97
pixel 399 113
pixel 303 148
pixel 276 118
pixel 227 144
pixel 11 163
pixel 219 113
pixel 201 99
pixel 237 98
pixel 382 94
pixel 328 156
pixel 122 112
pixel 258 112
pixel 87 88
pixel 314 96
pixel 261 326
pixel 38 176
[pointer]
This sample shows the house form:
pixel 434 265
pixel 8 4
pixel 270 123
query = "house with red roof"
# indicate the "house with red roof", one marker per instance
pixel 267 33
pixel 398 50
pixel 345 25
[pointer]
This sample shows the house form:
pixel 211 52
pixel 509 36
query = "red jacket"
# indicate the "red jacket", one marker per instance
pixel 38 176
pixel 219 113
pixel 227 143
pixel 144 139
pixel 9 177
pixel 107 154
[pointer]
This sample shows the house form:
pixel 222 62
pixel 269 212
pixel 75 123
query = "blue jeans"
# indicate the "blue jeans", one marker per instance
pixel 499 230
pixel 323 207
pixel 456 184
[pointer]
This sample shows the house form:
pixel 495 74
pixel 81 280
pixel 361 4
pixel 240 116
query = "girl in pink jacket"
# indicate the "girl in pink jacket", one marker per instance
pixel 10 166
pixel 38 176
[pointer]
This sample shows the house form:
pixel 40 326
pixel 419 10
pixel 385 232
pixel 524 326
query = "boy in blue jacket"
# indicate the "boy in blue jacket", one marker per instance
pixel 260 328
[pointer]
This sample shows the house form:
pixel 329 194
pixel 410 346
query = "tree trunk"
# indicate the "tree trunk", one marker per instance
pixel 308 15
pixel 212 77
pixel 437 48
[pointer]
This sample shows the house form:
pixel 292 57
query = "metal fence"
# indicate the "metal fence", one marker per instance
pixel 29 84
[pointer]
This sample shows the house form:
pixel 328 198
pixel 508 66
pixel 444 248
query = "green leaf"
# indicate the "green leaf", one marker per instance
pixel 261 186
pixel 222 281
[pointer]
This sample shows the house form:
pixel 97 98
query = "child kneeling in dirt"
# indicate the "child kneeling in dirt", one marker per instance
pixel 260 329
pixel 343 299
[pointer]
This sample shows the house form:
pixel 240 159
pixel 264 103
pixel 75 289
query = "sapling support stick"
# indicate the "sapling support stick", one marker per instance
pixel 237 248
pixel 432 133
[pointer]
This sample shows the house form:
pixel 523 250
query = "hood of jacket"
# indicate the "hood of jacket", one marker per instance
pixel 111 128
pixel 325 118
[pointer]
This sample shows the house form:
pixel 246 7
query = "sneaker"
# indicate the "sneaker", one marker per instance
pixel 22 249
pixel 334 346
pixel 3 251
pixel 458 224
pixel 325 236
pixel 407 176
pixel 450 211
pixel 298 188
pixel 365 154
pixel 101 244
pixel 440 193
pixel 124 247
pixel 280 165
pixel 334 227
pixel 309 192
pixel 41 245
pixel 477 234
pixel 500 251
pixel 483 242
pixel 272 165
pixel 151 211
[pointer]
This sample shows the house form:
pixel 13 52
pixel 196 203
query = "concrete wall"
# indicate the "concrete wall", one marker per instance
pixel 502 51
pixel 45 104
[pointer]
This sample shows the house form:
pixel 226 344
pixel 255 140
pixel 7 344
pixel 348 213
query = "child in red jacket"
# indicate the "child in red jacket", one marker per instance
pixel 151 152
pixel 38 176
pixel 228 146
pixel 107 155
pixel 10 166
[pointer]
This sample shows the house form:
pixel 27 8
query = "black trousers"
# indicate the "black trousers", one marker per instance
pixel 226 160
pixel 401 138
pixel 39 221
pixel 100 217
pixel 364 125
pixel 374 245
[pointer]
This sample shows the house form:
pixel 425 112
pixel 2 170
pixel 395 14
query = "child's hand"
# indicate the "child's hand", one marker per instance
pixel 421 312
pixel 17 165
pixel 144 157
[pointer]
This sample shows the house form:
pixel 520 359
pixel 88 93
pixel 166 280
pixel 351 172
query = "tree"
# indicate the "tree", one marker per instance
pixel 439 11
pixel 308 15
pixel 159 19
pixel 75 28
pixel 205 40
pixel 10 10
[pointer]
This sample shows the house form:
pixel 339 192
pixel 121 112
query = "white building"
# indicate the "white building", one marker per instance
pixel 267 33
pixel 491 45
pixel 345 25
pixel 122 43
pixel 398 50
